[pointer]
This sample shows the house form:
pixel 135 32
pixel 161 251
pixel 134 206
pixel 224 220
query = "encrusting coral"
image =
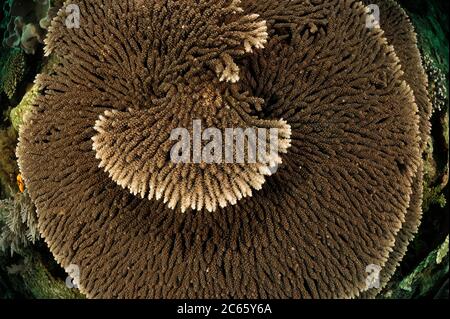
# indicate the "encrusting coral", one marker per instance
pixel 12 72
pixel 350 130
pixel 8 168
pixel 438 88
pixel 18 113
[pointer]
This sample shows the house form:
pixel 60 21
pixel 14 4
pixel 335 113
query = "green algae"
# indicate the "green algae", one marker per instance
pixel 17 113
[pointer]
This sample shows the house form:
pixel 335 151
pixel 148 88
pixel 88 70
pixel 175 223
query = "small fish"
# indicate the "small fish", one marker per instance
pixel 20 183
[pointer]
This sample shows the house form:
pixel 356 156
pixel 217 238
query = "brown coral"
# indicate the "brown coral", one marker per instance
pixel 139 161
pixel 400 33
pixel 335 205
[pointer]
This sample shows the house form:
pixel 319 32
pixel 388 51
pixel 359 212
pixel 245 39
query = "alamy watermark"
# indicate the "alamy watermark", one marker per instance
pixel 231 145
pixel 373 277
pixel 73 278
pixel 373 16
pixel 73 16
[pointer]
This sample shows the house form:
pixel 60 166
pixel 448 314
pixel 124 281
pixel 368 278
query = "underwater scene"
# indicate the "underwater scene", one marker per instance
pixel 224 149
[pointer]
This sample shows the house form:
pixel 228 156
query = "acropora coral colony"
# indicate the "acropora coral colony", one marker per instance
pixel 349 100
